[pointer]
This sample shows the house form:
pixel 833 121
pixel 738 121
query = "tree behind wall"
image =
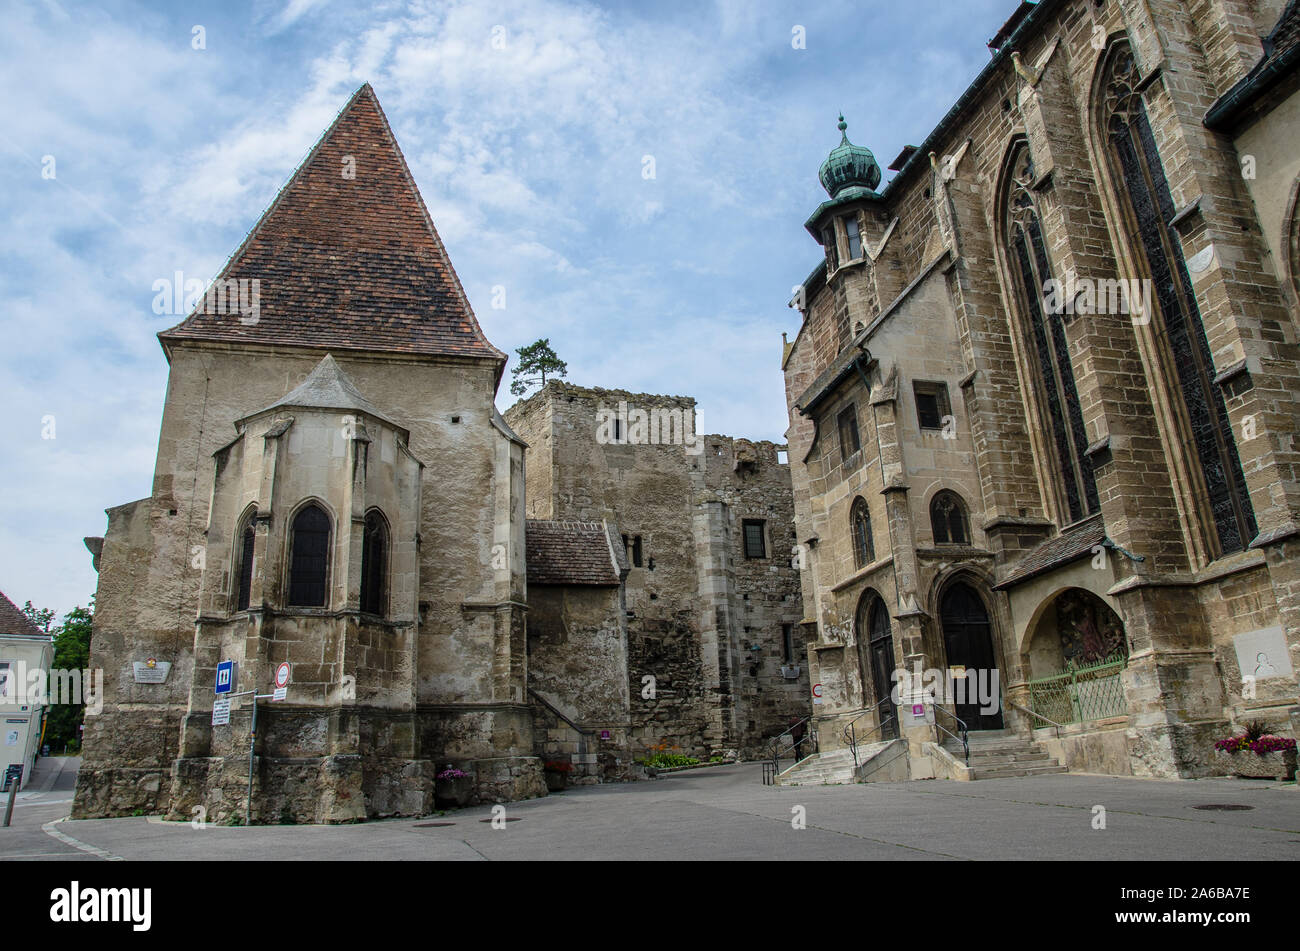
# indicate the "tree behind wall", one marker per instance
pixel 71 652
pixel 536 361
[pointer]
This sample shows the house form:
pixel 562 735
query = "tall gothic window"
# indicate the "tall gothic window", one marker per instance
pixel 309 558
pixel 1150 208
pixel 864 548
pixel 374 558
pixel 948 520
pixel 1055 376
pixel 244 594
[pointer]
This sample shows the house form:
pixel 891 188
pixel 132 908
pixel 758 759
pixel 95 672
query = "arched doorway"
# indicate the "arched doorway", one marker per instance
pixel 968 642
pixel 876 658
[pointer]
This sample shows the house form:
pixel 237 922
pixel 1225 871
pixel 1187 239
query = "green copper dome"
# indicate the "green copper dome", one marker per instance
pixel 847 165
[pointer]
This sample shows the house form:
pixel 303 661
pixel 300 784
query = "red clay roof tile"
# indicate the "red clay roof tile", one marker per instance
pixel 348 262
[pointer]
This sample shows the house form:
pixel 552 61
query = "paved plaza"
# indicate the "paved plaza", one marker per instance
pixel 726 813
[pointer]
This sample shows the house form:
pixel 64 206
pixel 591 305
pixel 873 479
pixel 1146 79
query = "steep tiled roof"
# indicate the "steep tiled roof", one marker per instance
pixel 13 621
pixel 570 553
pixel 1075 542
pixel 348 262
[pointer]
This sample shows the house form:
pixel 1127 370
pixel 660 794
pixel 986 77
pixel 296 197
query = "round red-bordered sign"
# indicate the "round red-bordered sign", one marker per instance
pixel 282 675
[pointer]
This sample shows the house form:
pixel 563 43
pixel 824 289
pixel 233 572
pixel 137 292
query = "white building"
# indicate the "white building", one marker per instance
pixel 24 648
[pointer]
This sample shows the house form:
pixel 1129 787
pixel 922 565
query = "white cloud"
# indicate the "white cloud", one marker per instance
pixel 529 158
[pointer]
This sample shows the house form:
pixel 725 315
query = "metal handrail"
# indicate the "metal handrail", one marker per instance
pixel 853 737
pixel 961 724
pixel 1034 713
pixel 851 733
pixel 775 748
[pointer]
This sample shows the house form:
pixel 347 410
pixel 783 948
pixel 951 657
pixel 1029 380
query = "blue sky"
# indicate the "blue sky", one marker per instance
pixel 529 157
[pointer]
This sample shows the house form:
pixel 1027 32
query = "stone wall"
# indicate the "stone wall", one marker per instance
pixel 454 645
pixel 695 605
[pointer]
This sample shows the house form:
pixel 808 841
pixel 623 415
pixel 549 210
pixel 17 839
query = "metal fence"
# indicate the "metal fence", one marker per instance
pixel 1079 694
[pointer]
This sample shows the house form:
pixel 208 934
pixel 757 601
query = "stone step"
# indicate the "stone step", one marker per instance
pixel 1007 772
pixel 1026 759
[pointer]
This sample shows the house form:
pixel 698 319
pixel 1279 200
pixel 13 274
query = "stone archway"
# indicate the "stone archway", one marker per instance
pixel 1075 628
pixel 875 645
pixel 967 629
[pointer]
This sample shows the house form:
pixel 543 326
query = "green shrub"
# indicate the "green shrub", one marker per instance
pixel 669 760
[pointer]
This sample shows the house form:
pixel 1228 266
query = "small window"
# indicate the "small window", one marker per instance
pixel 618 431
pixel 636 551
pixel 245 568
pixel 864 546
pixel 787 642
pixel 855 239
pixel 948 520
pixel 4 678
pixel 755 540
pixel 374 564
pixel 849 441
pixel 832 252
pixel 931 404
pixel 309 558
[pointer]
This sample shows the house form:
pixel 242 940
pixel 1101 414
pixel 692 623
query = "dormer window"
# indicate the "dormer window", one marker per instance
pixel 854 237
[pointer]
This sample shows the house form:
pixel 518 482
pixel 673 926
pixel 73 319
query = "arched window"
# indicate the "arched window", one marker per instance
pixel 864 547
pixel 374 564
pixel 948 520
pixel 245 571
pixel 1027 254
pixel 309 558
pixel 1149 207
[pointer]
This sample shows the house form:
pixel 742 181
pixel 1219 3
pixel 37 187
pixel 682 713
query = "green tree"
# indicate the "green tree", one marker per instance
pixel 535 361
pixel 71 652
pixel 42 618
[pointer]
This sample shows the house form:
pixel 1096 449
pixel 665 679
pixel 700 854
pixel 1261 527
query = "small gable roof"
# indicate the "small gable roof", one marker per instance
pixel 573 553
pixel 14 621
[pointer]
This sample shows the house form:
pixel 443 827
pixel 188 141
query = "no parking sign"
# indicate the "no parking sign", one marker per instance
pixel 282 676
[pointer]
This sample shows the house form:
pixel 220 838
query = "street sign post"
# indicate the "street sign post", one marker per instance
pixel 227 677
pixel 282 676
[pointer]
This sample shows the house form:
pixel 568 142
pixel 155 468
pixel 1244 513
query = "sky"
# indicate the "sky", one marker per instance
pixel 635 177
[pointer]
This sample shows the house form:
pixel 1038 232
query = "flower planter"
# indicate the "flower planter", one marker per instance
pixel 1280 764
pixel 556 781
pixel 452 793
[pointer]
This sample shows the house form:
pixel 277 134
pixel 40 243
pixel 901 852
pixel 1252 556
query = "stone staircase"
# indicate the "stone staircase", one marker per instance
pixel 829 768
pixel 999 754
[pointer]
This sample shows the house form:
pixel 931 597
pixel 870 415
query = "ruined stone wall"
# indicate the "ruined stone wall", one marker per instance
pixel 686 600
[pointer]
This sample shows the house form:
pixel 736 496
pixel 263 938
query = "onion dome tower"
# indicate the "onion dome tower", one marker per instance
pixel 848 165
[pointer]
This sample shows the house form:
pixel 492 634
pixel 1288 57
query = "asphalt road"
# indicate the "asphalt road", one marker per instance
pixel 726 813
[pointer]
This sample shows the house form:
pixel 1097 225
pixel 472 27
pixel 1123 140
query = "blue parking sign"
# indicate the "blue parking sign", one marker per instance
pixel 227 675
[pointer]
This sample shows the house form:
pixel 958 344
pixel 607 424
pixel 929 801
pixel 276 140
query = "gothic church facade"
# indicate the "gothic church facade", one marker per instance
pixel 1043 399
